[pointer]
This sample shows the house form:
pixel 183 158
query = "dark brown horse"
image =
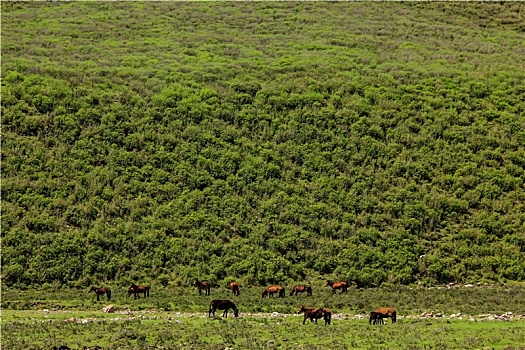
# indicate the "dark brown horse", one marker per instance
pixel 136 290
pixel 386 312
pixel 337 285
pixel 301 289
pixel 101 291
pixel 202 285
pixel 222 305
pixel 376 318
pixel 234 286
pixel 314 314
pixel 271 290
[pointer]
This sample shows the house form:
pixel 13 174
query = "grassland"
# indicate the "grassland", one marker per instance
pixel 177 318
pixel 41 330
pixel 285 142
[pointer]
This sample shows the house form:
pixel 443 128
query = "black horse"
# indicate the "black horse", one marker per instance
pixel 222 305
pixel 376 318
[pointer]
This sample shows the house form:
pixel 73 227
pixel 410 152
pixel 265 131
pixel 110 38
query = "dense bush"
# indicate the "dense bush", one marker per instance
pixel 265 142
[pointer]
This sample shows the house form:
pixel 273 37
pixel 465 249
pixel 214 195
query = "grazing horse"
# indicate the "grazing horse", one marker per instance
pixel 271 290
pixel 337 285
pixel 101 291
pixel 234 286
pixel 136 290
pixel 314 314
pixel 301 289
pixel 202 285
pixel 222 305
pixel 387 312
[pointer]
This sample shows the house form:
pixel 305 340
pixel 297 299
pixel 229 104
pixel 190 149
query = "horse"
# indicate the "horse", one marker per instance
pixel 101 291
pixel 387 312
pixel 301 289
pixel 314 314
pixel 222 305
pixel 271 290
pixel 337 285
pixel 202 285
pixel 135 290
pixel 376 318
pixel 234 286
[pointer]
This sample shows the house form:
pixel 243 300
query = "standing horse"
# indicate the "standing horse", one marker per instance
pixel 301 289
pixel 386 312
pixel 314 314
pixel 234 286
pixel 376 318
pixel 202 285
pixel 271 290
pixel 101 291
pixel 136 290
pixel 337 285
pixel 222 305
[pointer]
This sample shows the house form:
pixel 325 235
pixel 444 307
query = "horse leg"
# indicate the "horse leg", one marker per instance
pixel 98 296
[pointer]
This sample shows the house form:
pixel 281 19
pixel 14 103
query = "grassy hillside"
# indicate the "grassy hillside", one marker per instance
pixel 262 142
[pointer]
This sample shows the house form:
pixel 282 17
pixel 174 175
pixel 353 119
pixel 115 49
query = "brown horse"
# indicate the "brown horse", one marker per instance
pixel 234 286
pixel 101 291
pixel 222 305
pixel 301 289
pixel 202 285
pixel 314 314
pixel 271 290
pixel 337 285
pixel 136 290
pixel 387 312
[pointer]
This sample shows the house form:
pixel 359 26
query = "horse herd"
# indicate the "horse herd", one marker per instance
pixel 376 317
pixel 133 289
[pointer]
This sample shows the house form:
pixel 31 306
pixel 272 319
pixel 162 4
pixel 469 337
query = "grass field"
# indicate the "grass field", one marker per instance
pixel 177 318
pixel 40 330
pixel 266 143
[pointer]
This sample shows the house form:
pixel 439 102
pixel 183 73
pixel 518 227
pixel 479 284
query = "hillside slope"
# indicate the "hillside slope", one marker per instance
pixel 264 142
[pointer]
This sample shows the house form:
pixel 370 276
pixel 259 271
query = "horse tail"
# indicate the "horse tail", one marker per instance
pixel 108 293
pixel 394 316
